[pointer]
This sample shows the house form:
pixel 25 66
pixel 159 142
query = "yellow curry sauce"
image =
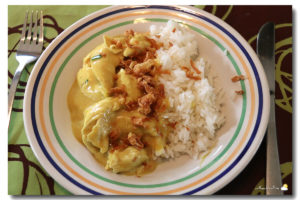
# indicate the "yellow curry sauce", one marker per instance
pixel 116 101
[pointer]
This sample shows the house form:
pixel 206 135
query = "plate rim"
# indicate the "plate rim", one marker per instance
pixel 116 7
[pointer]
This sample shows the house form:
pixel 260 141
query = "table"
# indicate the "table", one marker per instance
pixel 27 177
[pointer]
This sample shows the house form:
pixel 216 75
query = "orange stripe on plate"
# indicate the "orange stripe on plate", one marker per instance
pixel 88 29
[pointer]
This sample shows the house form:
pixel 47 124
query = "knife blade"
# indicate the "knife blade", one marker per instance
pixel 266 53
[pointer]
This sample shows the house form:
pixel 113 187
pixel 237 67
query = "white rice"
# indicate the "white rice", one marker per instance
pixel 193 103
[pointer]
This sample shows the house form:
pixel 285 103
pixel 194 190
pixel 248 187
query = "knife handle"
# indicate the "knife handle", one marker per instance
pixel 273 178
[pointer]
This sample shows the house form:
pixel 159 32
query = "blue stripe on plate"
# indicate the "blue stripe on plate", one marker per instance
pixel 36 132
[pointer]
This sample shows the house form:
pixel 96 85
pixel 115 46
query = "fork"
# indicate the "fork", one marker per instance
pixel 30 48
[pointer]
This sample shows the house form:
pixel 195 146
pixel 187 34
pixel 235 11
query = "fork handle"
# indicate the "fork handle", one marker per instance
pixel 13 88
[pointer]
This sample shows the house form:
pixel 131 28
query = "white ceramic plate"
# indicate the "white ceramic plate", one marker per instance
pixel 47 119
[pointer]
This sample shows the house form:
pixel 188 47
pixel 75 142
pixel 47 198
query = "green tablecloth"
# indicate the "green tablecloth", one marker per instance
pixel 27 177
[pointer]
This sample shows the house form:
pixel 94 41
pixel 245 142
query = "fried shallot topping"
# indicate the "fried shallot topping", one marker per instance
pixel 190 74
pixel 135 140
pixel 119 44
pixel 117 143
pixel 240 92
pixel 159 70
pixel 154 44
pixel 129 32
pixel 194 67
pixel 145 102
pixel 138 121
pixel 131 105
pixel 144 68
pixel 238 78
pixel 149 55
pixel 118 91
pixel 145 80
pixel 160 90
pixel 114 135
pixel 118 146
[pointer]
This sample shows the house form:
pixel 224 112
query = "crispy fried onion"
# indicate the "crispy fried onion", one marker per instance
pixel 135 140
pixel 190 74
pixel 119 91
pixel 139 121
pixel 238 78
pixel 145 102
pixel 239 92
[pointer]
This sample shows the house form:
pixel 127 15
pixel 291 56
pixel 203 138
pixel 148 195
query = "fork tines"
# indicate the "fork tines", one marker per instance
pixel 31 32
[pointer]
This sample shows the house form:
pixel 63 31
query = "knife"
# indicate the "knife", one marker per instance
pixel 266 53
